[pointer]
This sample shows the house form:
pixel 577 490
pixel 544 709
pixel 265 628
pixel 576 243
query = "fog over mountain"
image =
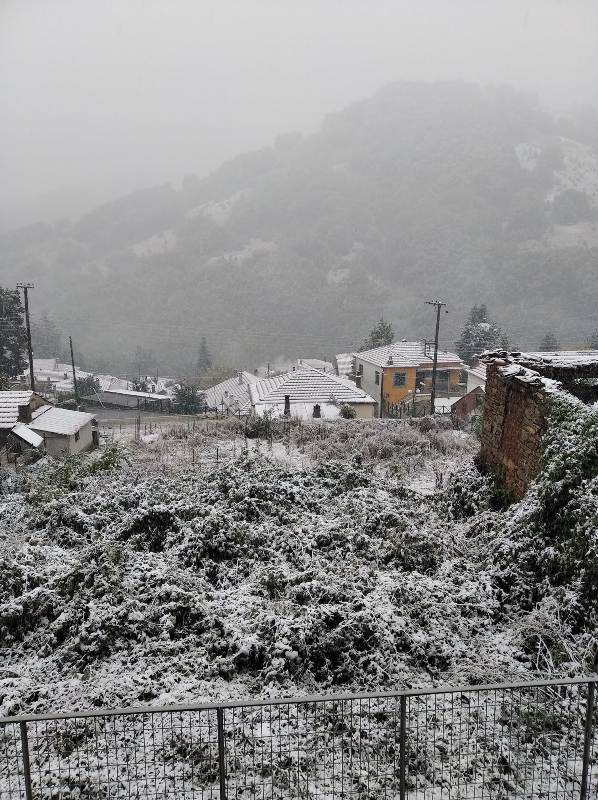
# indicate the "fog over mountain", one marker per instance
pixel 100 99
pixel 476 193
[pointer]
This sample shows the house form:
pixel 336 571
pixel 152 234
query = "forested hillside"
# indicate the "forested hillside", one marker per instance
pixel 471 193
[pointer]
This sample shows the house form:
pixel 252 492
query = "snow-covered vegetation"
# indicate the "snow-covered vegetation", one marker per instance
pixel 347 555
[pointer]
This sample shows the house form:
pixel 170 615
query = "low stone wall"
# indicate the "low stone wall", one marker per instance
pixel 512 430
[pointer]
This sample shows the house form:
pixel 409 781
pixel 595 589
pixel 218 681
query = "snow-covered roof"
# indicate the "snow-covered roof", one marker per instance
pixel 9 406
pixel 344 364
pixel 561 358
pixel 232 393
pixel 479 371
pixel 61 420
pixel 25 433
pixel 443 404
pixel 307 385
pixel 316 363
pixel 132 393
pixel 409 354
pixel 112 382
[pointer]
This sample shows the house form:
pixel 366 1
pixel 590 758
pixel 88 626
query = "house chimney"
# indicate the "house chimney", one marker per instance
pixel 240 378
pixel 287 405
pixel 24 413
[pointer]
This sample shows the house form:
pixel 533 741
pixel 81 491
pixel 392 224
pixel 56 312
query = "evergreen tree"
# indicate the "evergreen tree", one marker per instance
pixel 188 399
pixel 478 334
pixel 382 334
pixel 89 385
pixel 549 343
pixel 46 338
pixel 142 362
pixel 204 359
pixel 13 337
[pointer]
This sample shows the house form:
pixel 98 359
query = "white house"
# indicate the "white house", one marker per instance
pixel 64 432
pixel 309 393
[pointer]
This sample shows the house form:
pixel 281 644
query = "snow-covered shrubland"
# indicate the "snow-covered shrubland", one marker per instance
pixel 127 580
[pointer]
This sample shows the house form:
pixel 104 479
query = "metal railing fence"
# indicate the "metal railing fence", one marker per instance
pixel 518 741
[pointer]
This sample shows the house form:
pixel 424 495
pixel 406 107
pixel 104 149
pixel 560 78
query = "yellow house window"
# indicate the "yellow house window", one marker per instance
pixel 400 378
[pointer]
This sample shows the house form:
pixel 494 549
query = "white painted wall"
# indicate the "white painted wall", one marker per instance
pixel 473 381
pixel 368 378
pixel 60 445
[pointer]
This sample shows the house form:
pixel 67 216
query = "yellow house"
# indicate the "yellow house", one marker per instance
pixel 395 373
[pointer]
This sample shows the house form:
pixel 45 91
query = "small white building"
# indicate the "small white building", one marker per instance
pixel 64 432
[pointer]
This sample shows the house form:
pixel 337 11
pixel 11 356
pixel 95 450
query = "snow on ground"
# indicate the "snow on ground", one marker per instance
pixel 349 555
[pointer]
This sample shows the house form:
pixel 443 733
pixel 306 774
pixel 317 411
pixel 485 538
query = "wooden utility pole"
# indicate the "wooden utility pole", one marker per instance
pixel 438 305
pixel 74 373
pixel 25 287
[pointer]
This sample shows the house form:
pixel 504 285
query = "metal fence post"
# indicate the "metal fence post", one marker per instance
pixel 26 765
pixel 587 740
pixel 221 759
pixel 402 747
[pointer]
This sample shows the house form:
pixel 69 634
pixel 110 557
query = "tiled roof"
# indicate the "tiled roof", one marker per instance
pixel 316 363
pixel 479 371
pixel 60 420
pixel 309 386
pixel 112 382
pixel 409 354
pixel 9 406
pixel 231 394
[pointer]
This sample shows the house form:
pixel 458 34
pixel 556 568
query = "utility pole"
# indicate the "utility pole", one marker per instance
pixel 25 287
pixel 438 305
pixel 74 373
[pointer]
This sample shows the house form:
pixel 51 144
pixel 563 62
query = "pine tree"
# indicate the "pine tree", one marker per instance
pixel 46 338
pixel 549 343
pixel 382 334
pixel 204 359
pixel 478 334
pixel 188 399
pixel 13 338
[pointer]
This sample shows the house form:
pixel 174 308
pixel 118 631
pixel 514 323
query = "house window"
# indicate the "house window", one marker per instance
pixel 400 378
pixel 76 436
pixel 377 378
pixel 317 411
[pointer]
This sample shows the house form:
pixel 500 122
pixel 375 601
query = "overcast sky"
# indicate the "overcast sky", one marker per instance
pixel 104 96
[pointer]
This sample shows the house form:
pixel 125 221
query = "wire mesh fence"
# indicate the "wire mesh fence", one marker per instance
pixel 517 741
